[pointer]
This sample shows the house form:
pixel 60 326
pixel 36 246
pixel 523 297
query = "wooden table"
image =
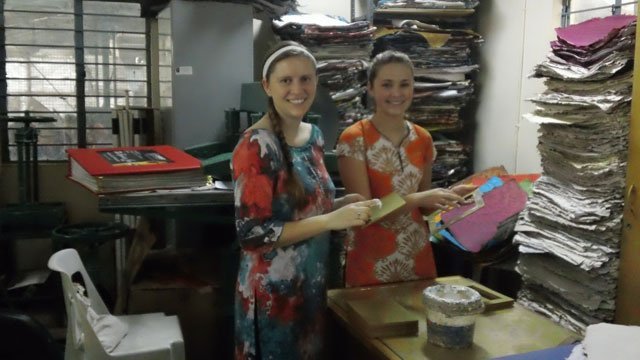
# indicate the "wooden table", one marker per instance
pixel 500 332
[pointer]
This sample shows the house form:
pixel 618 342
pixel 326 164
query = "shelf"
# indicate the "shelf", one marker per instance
pixel 412 12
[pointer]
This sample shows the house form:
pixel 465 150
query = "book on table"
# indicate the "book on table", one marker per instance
pixel 136 168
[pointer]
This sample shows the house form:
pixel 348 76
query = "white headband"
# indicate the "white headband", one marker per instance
pixel 278 52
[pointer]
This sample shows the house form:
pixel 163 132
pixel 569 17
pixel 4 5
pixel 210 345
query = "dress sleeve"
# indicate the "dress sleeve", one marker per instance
pixel 319 137
pixel 254 166
pixel 351 142
pixel 430 146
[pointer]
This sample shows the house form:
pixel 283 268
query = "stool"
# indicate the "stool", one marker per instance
pixel 86 238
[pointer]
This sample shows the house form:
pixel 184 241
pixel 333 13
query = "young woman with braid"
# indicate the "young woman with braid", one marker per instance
pixel 385 154
pixel 285 208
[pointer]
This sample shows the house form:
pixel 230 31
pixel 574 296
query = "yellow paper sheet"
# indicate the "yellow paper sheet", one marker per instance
pixel 390 203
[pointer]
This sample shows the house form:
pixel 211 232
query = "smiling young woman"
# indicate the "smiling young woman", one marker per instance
pixel 285 207
pixel 292 87
pixel 385 154
pixel 392 92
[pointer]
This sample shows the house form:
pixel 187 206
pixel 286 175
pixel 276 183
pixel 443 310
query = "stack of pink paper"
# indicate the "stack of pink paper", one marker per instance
pixel 478 228
pixel 595 32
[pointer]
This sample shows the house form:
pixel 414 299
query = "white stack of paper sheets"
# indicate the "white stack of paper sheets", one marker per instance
pixel 608 341
pixel 570 231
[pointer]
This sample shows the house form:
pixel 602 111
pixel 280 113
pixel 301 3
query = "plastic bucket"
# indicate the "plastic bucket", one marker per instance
pixel 451 315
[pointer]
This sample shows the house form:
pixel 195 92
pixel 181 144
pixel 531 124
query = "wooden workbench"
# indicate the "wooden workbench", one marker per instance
pixel 506 331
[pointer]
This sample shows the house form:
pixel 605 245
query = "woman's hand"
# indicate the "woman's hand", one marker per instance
pixel 464 189
pixel 439 199
pixel 346 200
pixel 354 214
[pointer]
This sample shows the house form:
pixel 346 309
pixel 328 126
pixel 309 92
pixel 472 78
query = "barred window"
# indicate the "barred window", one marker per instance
pixel 576 11
pixel 165 48
pixel 72 60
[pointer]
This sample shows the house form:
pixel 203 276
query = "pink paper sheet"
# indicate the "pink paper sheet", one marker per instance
pixel 592 32
pixel 478 228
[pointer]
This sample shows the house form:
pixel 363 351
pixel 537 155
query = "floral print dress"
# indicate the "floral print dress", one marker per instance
pixel 397 249
pixel 280 292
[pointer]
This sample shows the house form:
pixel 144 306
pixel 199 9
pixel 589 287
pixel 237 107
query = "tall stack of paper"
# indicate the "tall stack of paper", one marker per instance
pixel 342 50
pixel 439 40
pixel 569 233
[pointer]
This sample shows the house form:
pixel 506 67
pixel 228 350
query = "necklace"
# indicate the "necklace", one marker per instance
pixel 389 138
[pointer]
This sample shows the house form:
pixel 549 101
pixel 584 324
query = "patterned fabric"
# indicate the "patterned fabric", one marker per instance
pixel 280 292
pixel 396 249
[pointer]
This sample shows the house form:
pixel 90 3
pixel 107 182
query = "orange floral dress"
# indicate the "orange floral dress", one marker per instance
pixel 396 249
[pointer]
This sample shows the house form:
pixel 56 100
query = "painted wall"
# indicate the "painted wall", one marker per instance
pixel 213 41
pixel 517 35
pixel 542 17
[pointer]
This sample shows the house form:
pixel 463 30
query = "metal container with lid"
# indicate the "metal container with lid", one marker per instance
pixel 451 314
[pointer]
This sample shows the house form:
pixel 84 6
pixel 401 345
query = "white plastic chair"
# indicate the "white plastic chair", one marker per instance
pixel 149 336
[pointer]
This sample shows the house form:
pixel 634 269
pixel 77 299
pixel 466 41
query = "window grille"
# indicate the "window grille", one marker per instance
pixel 576 11
pixel 72 60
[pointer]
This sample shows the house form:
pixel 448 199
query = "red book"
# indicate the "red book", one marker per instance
pixel 123 169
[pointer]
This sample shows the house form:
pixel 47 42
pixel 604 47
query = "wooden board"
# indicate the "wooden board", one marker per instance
pixel 382 317
pixel 492 299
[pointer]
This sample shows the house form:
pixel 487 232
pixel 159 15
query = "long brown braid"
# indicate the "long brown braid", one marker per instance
pixel 292 184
